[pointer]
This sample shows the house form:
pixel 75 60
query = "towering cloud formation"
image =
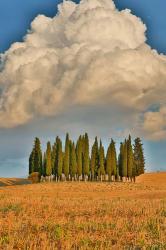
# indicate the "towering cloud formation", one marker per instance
pixel 89 54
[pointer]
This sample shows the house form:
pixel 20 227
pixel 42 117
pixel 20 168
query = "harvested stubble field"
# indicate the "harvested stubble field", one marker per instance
pixel 85 215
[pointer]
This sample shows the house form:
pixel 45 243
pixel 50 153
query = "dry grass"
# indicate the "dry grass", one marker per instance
pixel 13 181
pixel 153 179
pixel 84 216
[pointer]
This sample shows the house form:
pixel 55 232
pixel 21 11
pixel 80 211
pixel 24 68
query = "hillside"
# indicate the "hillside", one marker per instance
pixel 13 181
pixel 153 179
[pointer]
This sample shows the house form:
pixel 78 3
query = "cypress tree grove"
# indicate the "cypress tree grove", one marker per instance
pixel 48 160
pixel 75 162
pixel 139 159
pixel 130 159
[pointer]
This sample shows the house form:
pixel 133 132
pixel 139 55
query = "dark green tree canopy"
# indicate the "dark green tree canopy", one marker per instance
pixel 48 160
pixel 79 161
pixel 139 159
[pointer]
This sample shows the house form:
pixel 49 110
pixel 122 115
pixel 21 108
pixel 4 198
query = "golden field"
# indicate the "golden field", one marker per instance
pixel 85 215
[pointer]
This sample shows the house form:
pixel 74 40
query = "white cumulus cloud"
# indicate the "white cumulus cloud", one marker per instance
pixel 88 55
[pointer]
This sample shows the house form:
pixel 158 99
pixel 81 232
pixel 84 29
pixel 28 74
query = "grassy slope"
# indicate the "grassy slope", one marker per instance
pixel 85 215
pixel 153 179
pixel 13 181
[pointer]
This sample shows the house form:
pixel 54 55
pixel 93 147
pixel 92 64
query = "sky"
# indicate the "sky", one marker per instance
pixel 19 126
pixel 16 16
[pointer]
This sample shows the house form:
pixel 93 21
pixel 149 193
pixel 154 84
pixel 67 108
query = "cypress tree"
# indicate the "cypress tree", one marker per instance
pixel 124 160
pixel 48 160
pixel 70 158
pixel 66 157
pixel 134 174
pixel 53 158
pixel 73 161
pixel 101 171
pixel 97 157
pixel 120 160
pixel 109 163
pixel 83 152
pixel 139 159
pixel 79 157
pixel 56 149
pixel 83 144
pixel 37 156
pixel 113 158
pixel 44 165
pixel 93 162
pixel 59 159
pixel 31 162
pixel 130 159
pixel 86 156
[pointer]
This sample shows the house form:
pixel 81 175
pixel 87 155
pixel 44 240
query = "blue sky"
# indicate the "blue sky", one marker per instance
pixel 15 19
pixel 16 16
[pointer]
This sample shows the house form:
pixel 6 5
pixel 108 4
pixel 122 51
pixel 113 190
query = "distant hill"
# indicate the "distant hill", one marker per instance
pixel 153 179
pixel 13 181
